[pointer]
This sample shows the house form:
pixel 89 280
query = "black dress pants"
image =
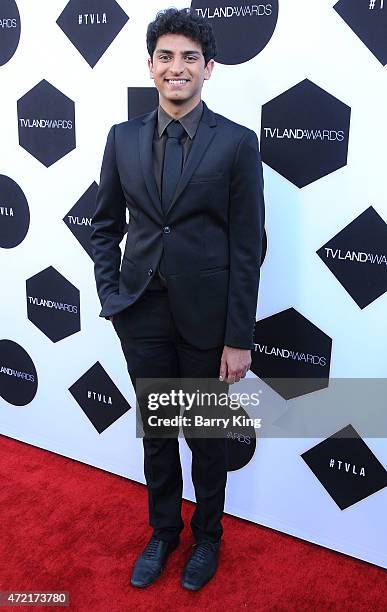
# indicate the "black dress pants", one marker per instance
pixel 153 348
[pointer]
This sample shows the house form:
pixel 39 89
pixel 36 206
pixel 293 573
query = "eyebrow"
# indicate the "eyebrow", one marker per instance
pixel 194 52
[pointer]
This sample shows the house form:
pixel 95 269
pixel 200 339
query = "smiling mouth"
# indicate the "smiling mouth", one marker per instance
pixel 177 81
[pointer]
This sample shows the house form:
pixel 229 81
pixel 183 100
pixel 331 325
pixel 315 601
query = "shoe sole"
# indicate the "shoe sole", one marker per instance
pixel 194 587
pixel 191 587
pixel 141 585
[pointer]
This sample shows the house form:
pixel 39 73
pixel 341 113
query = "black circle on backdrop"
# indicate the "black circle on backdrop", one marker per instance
pixel 14 213
pixel 240 438
pixel 241 30
pixel 9 30
pixel 18 377
pixel 264 246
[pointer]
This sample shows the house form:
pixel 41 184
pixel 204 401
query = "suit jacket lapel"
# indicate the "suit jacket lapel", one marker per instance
pixel 146 132
pixel 203 137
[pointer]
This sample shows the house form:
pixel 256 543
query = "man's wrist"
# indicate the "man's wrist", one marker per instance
pixel 240 348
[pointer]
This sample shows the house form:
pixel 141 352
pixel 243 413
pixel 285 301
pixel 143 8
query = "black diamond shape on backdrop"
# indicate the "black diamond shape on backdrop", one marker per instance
pixel 78 219
pixel 92 25
pixel 357 257
pixel 141 100
pixel 99 398
pixel 291 354
pixel 46 119
pixel 368 20
pixel 53 304
pixel 344 481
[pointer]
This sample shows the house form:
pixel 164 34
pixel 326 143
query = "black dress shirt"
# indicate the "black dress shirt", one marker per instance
pixel 190 123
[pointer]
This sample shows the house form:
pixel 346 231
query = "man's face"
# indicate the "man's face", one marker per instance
pixel 178 70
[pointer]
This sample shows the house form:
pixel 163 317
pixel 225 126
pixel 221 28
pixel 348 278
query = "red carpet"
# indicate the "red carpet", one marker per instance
pixel 68 526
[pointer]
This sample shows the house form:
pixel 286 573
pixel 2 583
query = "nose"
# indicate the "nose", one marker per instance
pixel 177 66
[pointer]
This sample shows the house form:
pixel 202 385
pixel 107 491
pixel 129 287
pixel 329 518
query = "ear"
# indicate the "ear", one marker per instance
pixel 208 69
pixel 150 66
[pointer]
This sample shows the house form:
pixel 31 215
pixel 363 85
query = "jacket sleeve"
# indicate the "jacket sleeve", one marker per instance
pixel 108 224
pixel 246 226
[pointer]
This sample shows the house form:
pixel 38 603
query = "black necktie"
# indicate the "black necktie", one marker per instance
pixel 173 163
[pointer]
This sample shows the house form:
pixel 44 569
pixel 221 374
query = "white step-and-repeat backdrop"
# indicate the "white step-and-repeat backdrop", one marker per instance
pixel 310 78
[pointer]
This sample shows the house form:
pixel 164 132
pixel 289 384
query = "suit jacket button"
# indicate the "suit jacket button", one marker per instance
pixel 167 229
pixel 150 271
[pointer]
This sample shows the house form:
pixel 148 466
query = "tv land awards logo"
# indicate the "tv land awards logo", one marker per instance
pixel 99 398
pixel 241 443
pixel 357 257
pixel 9 30
pixel 241 29
pixel 346 467
pixel 46 123
pixel 53 304
pixel 240 438
pixel 368 20
pixel 291 354
pixel 91 26
pixel 18 377
pixel 304 133
pixel 78 219
pixel 141 100
pixel 14 213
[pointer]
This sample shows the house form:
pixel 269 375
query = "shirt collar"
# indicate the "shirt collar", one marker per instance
pixel 190 121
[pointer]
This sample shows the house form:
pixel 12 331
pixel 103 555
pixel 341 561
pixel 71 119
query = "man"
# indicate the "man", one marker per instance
pixel 184 301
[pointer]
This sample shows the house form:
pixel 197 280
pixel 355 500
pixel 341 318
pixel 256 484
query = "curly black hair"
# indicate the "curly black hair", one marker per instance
pixel 184 21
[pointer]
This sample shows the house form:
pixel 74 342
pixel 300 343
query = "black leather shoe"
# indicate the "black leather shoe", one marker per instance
pixel 201 566
pixel 150 563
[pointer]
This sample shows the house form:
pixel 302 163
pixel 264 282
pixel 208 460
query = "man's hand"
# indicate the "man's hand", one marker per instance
pixel 234 364
pixel 111 318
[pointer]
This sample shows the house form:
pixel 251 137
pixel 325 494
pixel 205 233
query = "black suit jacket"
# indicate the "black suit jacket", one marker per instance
pixel 211 234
